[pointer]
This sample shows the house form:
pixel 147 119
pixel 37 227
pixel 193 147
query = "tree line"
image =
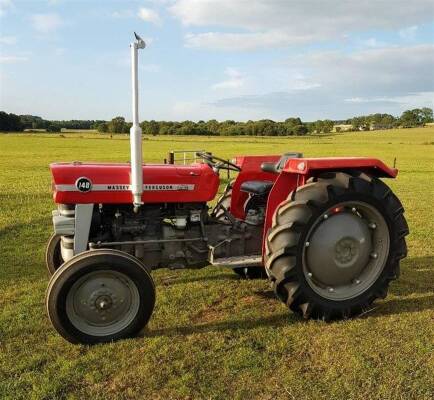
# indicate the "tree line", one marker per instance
pixel 408 119
pixel 265 127
pixel 18 123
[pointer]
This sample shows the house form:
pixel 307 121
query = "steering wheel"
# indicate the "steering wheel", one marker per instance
pixel 217 162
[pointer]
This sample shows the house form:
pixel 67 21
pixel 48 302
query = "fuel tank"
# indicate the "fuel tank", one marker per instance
pixel 110 183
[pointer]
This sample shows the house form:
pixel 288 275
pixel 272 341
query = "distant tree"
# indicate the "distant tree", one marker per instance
pixel 327 126
pixel 126 127
pixel 32 122
pixel 153 128
pixel 103 127
pixel 427 115
pixel 361 123
pixel 410 118
pixel 10 122
pixel 117 125
pixel 53 128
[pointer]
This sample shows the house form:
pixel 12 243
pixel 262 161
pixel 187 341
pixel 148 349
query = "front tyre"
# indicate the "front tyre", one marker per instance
pixel 335 245
pixel 53 254
pixel 100 296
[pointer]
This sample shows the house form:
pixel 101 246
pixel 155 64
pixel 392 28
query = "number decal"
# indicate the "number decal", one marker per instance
pixel 83 184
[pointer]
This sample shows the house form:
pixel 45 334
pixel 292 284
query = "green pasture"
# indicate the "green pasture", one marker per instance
pixel 213 335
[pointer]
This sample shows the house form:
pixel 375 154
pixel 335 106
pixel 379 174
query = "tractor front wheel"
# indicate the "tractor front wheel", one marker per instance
pixel 335 245
pixel 100 296
pixel 53 255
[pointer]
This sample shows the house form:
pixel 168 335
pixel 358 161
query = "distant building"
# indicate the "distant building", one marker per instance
pixel 342 127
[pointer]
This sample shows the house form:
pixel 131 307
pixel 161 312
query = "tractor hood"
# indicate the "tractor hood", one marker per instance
pixel 83 183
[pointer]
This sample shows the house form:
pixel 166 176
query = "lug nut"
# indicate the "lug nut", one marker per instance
pixel 325 216
pixel 309 274
pixel 374 255
pixel 357 281
pixel 331 290
pixel 307 244
pixel 373 225
pixel 354 209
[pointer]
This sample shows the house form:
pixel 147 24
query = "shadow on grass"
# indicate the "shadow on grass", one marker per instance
pixel 15 229
pixel 231 325
pixel 391 307
pixel 231 276
pixel 417 274
pixel 401 306
pixel 416 277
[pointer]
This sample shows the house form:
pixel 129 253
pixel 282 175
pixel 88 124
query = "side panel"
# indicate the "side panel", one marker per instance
pixel 110 183
pixel 83 219
pixel 284 185
pixel 250 171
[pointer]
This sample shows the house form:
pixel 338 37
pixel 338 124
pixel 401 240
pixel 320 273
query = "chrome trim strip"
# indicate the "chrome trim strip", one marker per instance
pixel 121 187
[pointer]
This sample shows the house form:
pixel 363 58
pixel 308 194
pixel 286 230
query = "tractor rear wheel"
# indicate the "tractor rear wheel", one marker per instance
pixel 100 296
pixel 53 255
pixel 335 245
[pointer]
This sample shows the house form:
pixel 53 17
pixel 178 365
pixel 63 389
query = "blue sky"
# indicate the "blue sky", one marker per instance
pixel 222 59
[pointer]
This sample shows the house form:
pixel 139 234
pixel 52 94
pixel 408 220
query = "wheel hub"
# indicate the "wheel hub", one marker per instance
pixel 339 249
pixel 102 302
pixel 346 249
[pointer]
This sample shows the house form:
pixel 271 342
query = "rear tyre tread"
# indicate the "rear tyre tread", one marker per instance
pixel 318 194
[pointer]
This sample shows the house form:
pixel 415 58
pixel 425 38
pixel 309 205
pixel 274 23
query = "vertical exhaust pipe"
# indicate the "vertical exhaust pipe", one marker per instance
pixel 136 131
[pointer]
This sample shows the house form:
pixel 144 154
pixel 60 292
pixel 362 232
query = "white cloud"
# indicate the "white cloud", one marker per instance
pixel 235 80
pixel 340 85
pixel 148 15
pixel 372 42
pixel 5 5
pixel 9 40
pixel 123 14
pixel 277 23
pixel 412 99
pixel 46 23
pixel 383 72
pixel 408 33
pixel 12 59
pixel 242 41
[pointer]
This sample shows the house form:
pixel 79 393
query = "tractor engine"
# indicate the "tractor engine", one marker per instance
pixel 173 235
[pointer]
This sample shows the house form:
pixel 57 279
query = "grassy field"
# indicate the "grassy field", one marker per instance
pixel 212 335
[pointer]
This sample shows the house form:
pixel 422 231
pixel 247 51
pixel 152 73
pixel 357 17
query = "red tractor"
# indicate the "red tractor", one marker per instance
pixel 327 232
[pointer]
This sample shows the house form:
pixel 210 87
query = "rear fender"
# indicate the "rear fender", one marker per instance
pixel 313 166
pixel 298 170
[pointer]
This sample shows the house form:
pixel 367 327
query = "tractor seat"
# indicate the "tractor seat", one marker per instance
pixel 256 187
pixel 275 168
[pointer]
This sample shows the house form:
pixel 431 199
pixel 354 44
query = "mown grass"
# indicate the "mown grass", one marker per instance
pixel 212 335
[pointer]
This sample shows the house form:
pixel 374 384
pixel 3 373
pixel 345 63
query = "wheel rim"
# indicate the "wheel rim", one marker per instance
pixel 345 250
pixel 102 302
